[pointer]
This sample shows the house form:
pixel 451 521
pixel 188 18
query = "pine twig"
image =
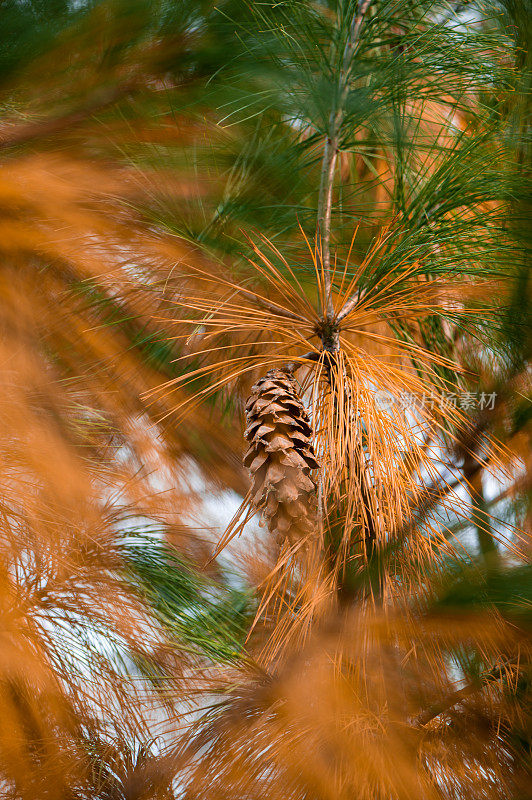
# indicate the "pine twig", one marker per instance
pixel 456 697
pixel 330 156
pixel 349 305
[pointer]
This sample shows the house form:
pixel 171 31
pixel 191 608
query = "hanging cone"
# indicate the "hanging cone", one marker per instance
pixel 281 456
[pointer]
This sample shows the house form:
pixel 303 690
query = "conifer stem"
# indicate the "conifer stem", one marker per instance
pixel 480 515
pixel 458 696
pixel 330 155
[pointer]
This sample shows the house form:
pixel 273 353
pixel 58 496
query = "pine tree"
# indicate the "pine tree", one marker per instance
pixel 315 213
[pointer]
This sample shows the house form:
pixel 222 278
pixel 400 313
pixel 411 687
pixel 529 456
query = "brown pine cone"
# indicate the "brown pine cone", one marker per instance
pixel 281 456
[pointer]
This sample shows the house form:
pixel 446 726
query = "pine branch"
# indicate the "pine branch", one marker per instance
pixel 330 155
pixel 458 696
pixel 349 305
pixel 473 481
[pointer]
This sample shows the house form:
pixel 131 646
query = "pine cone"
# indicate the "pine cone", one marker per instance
pixel 281 456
